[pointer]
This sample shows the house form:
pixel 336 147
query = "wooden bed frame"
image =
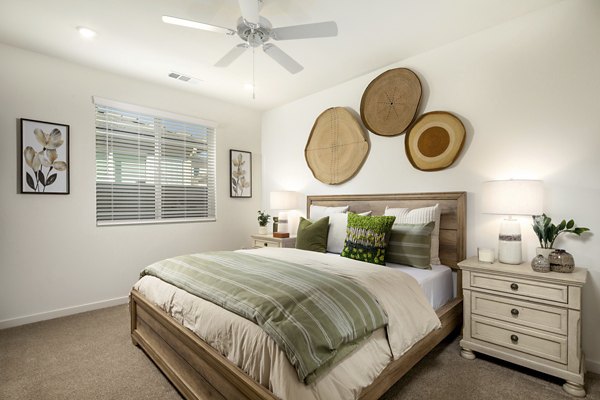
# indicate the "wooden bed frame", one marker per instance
pixel 200 372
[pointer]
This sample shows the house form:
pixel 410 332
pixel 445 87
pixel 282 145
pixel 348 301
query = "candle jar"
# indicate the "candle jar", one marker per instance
pixel 485 255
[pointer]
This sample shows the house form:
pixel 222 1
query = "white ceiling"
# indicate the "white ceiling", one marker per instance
pixel 133 41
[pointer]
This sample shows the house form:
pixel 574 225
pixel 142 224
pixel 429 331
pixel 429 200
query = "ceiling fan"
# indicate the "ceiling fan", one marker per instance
pixel 256 31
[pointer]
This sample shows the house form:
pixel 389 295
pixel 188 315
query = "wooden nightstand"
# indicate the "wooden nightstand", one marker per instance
pixel 270 241
pixel 525 317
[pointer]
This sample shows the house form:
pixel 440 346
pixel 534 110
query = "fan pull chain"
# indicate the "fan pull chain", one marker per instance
pixel 253 75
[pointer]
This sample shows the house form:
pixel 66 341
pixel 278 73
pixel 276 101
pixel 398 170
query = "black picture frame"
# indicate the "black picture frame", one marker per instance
pixel 44 154
pixel 240 174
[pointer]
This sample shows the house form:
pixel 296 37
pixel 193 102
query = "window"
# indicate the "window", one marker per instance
pixel 152 166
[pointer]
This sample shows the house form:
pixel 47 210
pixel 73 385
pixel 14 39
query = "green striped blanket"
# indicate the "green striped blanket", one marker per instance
pixel 315 317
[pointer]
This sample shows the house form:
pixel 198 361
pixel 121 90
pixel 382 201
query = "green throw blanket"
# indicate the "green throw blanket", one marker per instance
pixel 315 317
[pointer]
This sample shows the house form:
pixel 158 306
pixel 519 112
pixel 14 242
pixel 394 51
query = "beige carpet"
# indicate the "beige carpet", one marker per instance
pixel 90 356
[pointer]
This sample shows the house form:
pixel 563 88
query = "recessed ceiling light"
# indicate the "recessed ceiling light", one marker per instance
pixel 86 32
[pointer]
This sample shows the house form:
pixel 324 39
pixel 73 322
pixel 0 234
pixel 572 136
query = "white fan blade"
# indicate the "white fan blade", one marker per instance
pixel 232 55
pixel 249 9
pixel 319 29
pixel 196 25
pixel 282 58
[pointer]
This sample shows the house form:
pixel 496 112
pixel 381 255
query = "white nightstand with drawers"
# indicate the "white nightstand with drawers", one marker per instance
pixel 270 241
pixel 525 317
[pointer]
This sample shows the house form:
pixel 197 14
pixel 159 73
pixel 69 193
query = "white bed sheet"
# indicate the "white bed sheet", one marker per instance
pixel 437 283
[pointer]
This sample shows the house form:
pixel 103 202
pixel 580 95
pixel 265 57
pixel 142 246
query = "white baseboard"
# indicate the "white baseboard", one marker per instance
pixel 592 366
pixel 62 312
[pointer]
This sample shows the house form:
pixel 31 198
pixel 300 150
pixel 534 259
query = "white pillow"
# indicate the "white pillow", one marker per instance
pixel 421 216
pixel 338 225
pixel 318 212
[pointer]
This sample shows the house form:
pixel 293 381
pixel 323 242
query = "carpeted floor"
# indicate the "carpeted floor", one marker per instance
pixel 90 356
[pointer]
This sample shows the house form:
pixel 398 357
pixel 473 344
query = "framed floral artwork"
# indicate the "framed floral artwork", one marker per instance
pixel 240 167
pixel 44 157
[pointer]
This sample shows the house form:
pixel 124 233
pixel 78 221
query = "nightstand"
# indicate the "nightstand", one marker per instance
pixel 270 241
pixel 525 317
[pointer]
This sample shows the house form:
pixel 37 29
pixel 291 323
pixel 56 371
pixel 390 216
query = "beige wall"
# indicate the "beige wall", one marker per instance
pixel 54 260
pixel 528 92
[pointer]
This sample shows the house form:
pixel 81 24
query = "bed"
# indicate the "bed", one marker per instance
pixel 199 371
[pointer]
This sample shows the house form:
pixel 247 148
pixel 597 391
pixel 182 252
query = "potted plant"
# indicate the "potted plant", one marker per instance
pixel 263 220
pixel 547 232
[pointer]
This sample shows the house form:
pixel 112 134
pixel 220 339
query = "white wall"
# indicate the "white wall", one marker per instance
pixel 528 92
pixel 54 260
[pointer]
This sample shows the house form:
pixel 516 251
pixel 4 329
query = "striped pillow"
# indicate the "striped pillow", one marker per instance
pixel 421 216
pixel 410 244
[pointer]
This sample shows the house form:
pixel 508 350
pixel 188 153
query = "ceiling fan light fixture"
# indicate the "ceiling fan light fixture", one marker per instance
pixel 256 31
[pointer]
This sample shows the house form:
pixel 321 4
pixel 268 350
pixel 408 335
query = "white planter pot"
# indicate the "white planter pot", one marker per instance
pixel 543 252
pixel 263 230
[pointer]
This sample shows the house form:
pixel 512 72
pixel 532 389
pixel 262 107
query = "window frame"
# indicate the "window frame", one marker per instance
pixel 161 155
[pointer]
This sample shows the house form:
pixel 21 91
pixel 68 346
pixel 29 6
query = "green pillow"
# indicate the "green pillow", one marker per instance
pixel 312 236
pixel 366 237
pixel 410 244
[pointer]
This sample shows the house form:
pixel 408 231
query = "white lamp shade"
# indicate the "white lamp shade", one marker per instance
pixel 513 197
pixel 283 200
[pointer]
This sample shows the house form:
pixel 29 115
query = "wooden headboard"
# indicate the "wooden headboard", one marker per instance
pixel 453 227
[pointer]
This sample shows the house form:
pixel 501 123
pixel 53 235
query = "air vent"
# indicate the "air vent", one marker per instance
pixel 183 78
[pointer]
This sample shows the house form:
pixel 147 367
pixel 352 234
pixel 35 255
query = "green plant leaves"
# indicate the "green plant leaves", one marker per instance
pixel 263 218
pixel 547 232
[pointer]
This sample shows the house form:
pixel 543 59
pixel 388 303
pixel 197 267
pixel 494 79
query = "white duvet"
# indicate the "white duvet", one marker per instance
pixel 245 344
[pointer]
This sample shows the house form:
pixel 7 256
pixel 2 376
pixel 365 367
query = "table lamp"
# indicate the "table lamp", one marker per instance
pixel 283 201
pixel 512 197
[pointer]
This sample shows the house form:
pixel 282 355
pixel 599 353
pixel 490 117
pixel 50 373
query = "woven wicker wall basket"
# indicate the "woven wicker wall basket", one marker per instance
pixel 337 146
pixel 390 102
pixel 434 141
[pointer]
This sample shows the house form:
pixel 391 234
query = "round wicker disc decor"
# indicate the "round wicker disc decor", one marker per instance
pixel 337 146
pixel 434 141
pixel 390 102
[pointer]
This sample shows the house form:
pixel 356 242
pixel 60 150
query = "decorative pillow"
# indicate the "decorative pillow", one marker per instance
pixel 318 212
pixel 312 236
pixel 338 224
pixel 410 244
pixel 366 238
pixel 421 216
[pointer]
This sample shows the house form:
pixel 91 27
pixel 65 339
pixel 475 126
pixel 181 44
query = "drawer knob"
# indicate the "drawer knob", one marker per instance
pixel 514 312
pixel 266 244
pixel 514 286
pixel 514 338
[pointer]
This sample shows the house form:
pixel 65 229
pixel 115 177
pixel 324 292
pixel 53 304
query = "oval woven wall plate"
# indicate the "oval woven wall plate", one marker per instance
pixel 390 102
pixel 337 146
pixel 434 141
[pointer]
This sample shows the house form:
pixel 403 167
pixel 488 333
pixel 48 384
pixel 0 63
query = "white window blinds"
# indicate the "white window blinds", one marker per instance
pixel 152 166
